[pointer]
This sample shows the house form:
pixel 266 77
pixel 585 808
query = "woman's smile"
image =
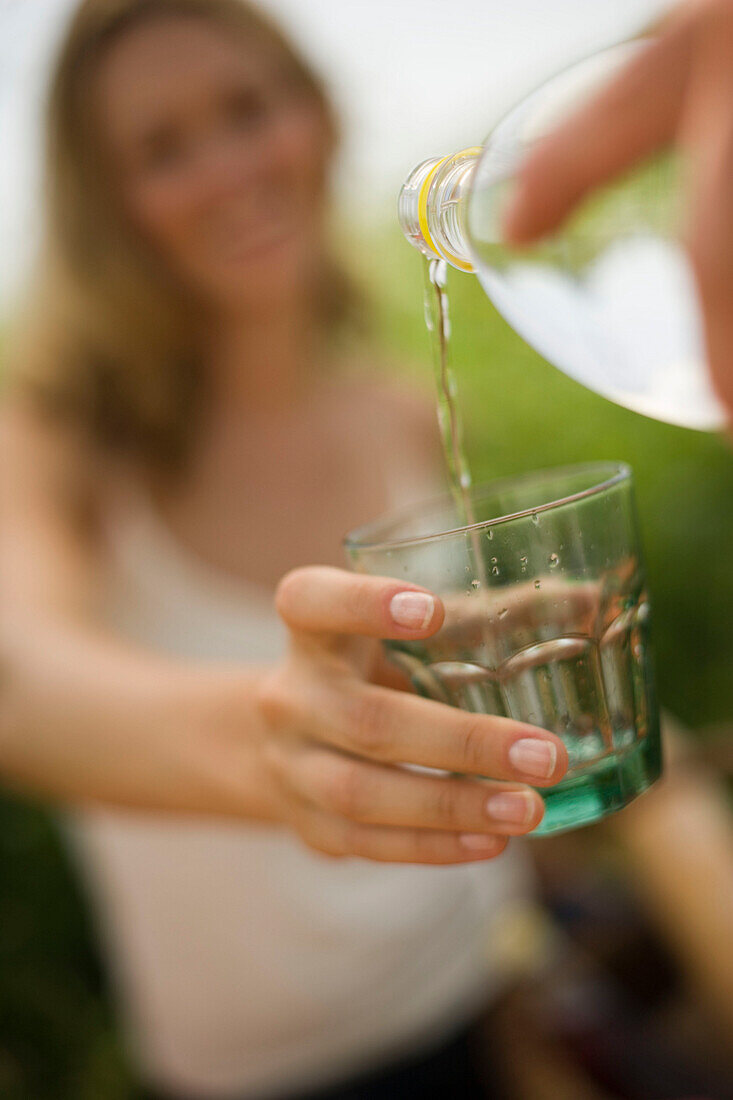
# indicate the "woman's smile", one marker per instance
pixel 245 227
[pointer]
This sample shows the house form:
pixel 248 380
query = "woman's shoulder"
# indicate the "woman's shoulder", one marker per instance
pixel 44 455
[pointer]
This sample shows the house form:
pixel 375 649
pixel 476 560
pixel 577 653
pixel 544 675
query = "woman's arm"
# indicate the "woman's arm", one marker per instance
pixel 309 742
pixel 85 717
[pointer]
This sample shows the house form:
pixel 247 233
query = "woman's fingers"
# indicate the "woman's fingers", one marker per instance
pixel 337 836
pixel 377 794
pixel 396 727
pixel 633 115
pixel 333 602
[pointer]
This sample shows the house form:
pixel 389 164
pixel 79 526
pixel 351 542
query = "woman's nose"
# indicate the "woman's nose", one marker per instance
pixel 226 164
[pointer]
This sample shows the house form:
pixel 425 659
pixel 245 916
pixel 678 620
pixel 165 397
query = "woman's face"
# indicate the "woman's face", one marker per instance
pixel 220 163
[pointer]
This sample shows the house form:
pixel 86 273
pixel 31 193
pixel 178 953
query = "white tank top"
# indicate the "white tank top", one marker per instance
pixel 246 964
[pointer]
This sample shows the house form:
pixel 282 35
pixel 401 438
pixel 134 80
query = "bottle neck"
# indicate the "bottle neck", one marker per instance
pixel 432 207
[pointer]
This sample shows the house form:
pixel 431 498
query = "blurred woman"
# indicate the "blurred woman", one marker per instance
pixel 182 431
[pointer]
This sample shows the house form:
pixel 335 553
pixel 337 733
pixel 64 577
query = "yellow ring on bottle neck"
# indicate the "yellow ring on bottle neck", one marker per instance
pixel 422 210
pixel 422 205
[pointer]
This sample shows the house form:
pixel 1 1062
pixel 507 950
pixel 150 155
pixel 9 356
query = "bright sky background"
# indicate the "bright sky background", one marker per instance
pixel 412 78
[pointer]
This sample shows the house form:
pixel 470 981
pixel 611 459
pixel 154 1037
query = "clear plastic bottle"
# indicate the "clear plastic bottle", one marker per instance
pixel 610 299
pixel 433 206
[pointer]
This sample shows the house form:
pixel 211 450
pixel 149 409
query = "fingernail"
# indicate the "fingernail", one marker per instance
pixel 478 842
pixel 513 807
pixel 412 610
pixel 533 756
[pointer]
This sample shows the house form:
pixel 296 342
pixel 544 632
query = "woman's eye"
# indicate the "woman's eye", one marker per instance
pixel 247 110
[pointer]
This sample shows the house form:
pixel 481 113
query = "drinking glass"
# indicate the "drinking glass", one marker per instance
pixel 547 622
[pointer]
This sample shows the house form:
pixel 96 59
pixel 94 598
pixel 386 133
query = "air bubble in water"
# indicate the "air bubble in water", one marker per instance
pixel 495 570
pixel 537 584
pixel 523 562
pixel 494 561
pixel 554 560
pixel 489 534
pixel 475 584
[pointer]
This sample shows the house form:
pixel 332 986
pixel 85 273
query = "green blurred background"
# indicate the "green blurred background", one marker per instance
pixel 57 1036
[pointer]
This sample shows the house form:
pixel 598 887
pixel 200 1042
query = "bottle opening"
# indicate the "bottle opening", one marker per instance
pixel 432 207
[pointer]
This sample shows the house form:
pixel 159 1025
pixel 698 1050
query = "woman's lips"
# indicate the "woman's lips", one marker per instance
pixel 239 236
pixel 249 245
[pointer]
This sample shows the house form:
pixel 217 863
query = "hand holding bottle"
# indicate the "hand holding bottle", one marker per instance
pixel 678 89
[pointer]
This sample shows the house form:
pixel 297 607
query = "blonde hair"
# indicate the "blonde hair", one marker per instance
pixel 107 336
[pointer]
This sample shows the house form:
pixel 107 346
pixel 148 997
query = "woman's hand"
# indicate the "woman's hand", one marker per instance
pixel 678 89
pixel 336 744
pixel 90 718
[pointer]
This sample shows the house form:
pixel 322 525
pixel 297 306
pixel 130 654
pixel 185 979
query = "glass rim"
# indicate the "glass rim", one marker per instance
pixel 366 537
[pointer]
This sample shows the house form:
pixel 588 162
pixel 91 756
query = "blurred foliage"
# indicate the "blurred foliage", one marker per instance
pixel 57 1039
pixel 57 1035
